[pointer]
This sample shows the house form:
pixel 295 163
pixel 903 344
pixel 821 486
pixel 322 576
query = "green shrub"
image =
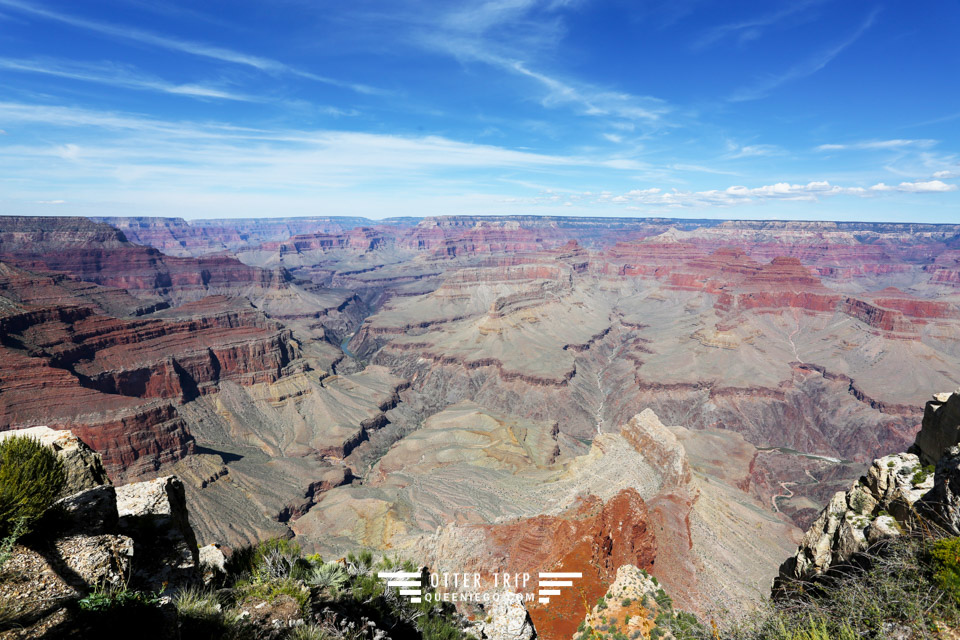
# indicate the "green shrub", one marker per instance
pixel 903 587
pixel 108 598
pixel 922 474
pixel 201 616
pixel 270 559
pixel 270 590
pixel 31 478
pixel 329 577
pixel 945 555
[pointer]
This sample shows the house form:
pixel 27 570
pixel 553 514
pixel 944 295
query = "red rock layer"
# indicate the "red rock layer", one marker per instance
pixel 361 240
pixel 594 538
pixel 117 382
pixel 175 236
pixel 886 320
pixel 153 358
pixel 98 253
pixel 448 238
pixel 133 437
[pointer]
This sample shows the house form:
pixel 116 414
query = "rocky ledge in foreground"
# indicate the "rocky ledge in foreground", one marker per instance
pixel 902 494
pixel 96 538
pixel 107 561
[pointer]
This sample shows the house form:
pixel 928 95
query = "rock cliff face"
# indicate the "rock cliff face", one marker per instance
pixel 119 382
pixel 98 253
pixel 941 427
pixel 890 500
pixel 135 536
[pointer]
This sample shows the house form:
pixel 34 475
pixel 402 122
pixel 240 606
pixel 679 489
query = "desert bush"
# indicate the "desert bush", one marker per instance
pixel 31 478
pixel 272 589
pixel 271 559
pixel 329 577
pixel 202 617
pixel 900 587
pixel 945 560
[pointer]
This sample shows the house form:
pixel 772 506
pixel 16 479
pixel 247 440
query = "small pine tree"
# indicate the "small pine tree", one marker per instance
pixel 31 478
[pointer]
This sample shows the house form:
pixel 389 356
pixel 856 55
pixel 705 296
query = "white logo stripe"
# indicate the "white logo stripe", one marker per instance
pixel 556 583
pixel 559 575
pixel 403 583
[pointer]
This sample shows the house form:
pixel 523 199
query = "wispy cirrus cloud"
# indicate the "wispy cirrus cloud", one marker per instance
pixel 593 101
pixel 200 49
pixel 753 28
pixel 511 35
pixel 119 76
pixel 802 69
pixel 878 145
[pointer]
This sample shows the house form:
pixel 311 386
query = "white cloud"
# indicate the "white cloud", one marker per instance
pixel 944 175
pixel 738 194
pixel 200 49
pixel 68 152
pixel 140 152
pixel 878 145
pixel 510 35
pixel 696 168
pixel 613 137
pixel 590 100
pixel 118 76
pixel 929 186
pixel 752 150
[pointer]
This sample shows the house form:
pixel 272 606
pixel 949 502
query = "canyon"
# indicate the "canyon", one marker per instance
pixel 500 393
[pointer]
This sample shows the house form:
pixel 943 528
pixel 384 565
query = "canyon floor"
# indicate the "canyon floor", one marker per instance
pixel 498 393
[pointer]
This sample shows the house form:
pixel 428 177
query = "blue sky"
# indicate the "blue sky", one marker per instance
pixel 813 109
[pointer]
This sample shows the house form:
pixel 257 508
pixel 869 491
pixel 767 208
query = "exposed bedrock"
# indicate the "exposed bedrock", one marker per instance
pixel 475 490
pixel 895 497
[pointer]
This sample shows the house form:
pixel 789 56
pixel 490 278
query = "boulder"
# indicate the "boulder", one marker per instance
pixel 212 563
pixel 91 511
pixel 83 466
pixel 98 560
pixel 941 427
pixel 942 504
pixel 154 514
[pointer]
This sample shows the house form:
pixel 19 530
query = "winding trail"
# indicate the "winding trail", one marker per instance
pixel 789 494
